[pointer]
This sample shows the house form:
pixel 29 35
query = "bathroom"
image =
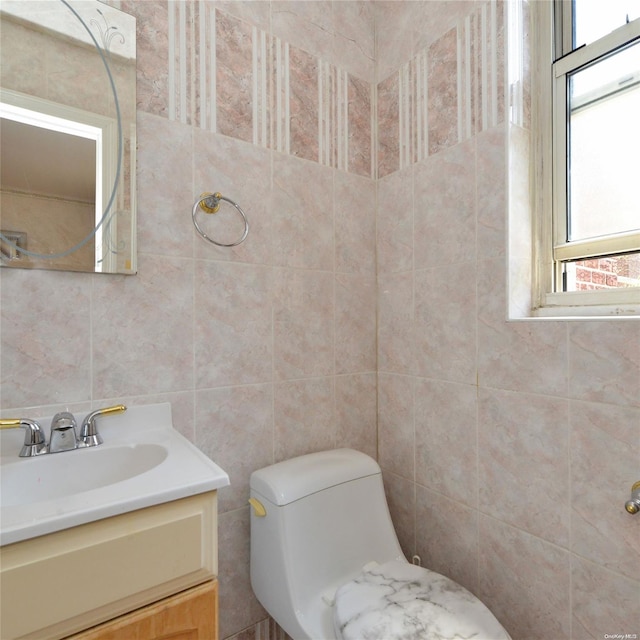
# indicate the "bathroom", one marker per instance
pixel 507 447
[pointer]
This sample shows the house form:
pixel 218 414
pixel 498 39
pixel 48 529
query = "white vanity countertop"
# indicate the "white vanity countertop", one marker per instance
pixel 400 600
pixel 143 462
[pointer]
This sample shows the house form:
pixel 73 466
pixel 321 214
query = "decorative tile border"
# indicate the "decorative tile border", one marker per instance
pixel 231 77
pixel 228 76
pixel 447 93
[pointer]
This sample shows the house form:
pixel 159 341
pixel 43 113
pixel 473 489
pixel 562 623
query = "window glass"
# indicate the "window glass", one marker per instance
pixel 604 139
pixel 596 18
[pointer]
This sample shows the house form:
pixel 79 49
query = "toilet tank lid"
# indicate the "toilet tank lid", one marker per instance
pixel 290 480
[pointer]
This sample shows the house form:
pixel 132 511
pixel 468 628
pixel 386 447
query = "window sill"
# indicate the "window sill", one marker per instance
pixel 591 305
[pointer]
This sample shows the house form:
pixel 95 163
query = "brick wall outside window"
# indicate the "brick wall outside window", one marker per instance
pixel 608 273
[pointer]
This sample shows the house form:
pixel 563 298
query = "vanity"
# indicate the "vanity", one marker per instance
pixel 117 541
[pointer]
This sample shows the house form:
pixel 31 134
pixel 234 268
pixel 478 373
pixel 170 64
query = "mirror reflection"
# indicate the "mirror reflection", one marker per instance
pixel 67 136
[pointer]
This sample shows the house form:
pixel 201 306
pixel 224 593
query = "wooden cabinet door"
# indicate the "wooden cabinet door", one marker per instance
pixel 190 615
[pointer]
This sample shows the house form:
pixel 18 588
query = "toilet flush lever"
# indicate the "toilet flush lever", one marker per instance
pixel 258 507
pixel 633 506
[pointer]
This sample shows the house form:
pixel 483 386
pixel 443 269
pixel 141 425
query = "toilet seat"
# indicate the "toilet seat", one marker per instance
pixel 398 600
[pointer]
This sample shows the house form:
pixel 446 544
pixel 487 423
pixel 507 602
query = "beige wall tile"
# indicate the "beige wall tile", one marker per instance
pixel 304 417
pixel 401 498
pixel 307 24
pixel 233 325
pixel 445 422
pixel 234 427
pixel 447 537
pixel 602 601
pixel 396 323
pixel 396 430
pixel 525 581
pixel 302 213
pixel 523 456
pixel 491 193
pixel 521 356
pixel 445 217
pixel 355 326
pixel 604 465
pixel 164 186
pixel 445 323
pixel 303 328
pixel 393 36
pixel 354 46
pixel 356 424
pixel 604 362
pixel 142 329
pixel 46 336
pixel 395 222
pixel 355 227
pixel 239 608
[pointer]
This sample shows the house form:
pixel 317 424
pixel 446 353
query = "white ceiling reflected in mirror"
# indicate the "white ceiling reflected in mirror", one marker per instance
pixel 67 136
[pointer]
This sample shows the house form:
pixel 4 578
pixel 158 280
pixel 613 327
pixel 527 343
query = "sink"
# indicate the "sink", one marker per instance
pixel 143 462
pixel 47 477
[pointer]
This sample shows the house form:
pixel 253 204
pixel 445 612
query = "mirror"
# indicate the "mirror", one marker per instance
pixel 67 136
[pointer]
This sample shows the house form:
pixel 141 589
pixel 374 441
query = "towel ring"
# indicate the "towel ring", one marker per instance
pixel 210 203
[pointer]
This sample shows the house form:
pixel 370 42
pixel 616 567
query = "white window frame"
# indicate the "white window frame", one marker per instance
pixel 551 31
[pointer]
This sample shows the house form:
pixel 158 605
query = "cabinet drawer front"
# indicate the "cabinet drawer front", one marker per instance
pixel 190 615
pixel 91 573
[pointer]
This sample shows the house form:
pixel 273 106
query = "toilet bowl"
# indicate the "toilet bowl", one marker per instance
pixel 326 563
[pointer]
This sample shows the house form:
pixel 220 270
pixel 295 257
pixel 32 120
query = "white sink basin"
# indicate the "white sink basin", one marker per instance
pixel 48 477
pixel 144 461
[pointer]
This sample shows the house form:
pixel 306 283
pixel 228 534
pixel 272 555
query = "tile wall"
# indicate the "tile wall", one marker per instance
pixel 508 448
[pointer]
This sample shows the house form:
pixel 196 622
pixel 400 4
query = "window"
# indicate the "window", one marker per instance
pixel 587 156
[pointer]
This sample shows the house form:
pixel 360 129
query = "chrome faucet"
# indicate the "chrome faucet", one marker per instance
pixel 63 433
pixel 34 441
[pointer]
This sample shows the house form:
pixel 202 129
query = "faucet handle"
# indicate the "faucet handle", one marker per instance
pixel 89 436
pixel 34 440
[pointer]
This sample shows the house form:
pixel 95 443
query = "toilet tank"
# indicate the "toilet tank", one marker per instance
pixel 326 517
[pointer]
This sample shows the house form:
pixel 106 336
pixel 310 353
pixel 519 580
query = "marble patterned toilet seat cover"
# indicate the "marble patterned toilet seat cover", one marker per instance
pixel 400 601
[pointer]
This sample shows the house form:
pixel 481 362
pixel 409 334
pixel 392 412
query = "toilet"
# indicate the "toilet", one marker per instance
pixel 326 563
